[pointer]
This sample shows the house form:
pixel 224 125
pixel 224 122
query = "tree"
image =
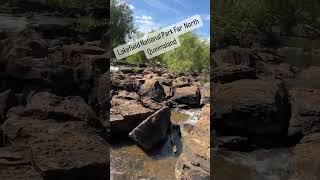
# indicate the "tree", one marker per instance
pixel 122 25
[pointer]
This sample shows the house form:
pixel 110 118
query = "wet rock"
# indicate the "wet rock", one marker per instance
pixel 194 162
pixel 73 108
pixel 304 164
pixel 228 73
pixel 126 115
pixel 19 172
pixel 152 89
pixel 305 111
pixel 189 96
pixel 252 108
pixel 153 130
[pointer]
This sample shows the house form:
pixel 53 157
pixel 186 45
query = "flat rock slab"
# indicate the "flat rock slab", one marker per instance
pixel 153 130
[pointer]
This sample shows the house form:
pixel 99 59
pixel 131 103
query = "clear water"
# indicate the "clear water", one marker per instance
pixel 131 161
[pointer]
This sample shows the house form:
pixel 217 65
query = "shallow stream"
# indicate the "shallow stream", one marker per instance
pixel 131 162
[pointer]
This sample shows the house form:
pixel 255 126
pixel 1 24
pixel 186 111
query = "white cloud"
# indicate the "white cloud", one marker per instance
pixel 205 17
pixel 131 6
pixel 145 23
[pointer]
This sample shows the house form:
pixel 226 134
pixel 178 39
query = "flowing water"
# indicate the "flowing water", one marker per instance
pixel 131 162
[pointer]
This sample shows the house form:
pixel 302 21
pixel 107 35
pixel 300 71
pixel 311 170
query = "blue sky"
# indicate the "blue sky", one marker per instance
pixel 153 14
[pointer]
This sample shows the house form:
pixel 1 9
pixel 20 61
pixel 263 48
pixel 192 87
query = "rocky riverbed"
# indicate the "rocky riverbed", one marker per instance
pixel 51 112
pixel 157 118
pixel 266 113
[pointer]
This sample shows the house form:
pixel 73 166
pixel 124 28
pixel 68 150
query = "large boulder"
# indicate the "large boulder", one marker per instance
pixel 194 162
pixel 189 95
pixel 305 111
pixel 153 89
pixel 153 130
pixel 252 108
pixel 305 162
pixel 125 115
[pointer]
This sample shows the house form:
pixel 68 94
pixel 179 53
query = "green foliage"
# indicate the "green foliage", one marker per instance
pixel 122 26
pixel 79 4
pixel 192 56
pixel 137 58
pixel 233 18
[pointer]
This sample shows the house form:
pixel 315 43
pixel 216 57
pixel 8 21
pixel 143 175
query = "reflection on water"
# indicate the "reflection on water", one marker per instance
pixel 130 160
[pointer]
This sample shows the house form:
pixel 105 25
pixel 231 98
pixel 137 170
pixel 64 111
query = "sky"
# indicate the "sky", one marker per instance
pixel 154 14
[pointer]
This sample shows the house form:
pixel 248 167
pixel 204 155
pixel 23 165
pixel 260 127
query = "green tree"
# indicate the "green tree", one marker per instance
pixel 192 56
pixel 122 25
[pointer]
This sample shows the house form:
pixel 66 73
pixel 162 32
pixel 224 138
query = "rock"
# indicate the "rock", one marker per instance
pixel 152 89
pixel 282 71
pixel 60 78
pixel 228 73
pixel 4 96
pixel 205 94
pixel 308 78
pixel 234 143
pixel 305 111
pixel 73 108
pixel 234 55
pixel 252 108
pixel 128 95
pixel 181 81
pixel 16 164
pixel 168 91
pixel 153 130
pixel 187 95
pixel 69 150
pixel 75 156
pixel 304 164
pixel 126 115
pixel 151 104
pixel 194 162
